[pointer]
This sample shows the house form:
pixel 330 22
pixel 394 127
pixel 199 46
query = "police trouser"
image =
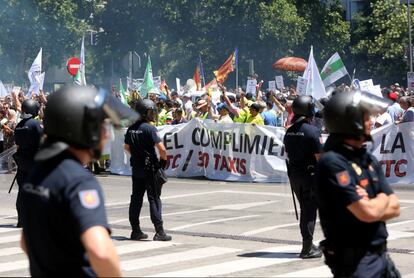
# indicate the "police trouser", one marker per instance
pixel 355 262
pixel 20 178
pixel 301 183
pixel 139 186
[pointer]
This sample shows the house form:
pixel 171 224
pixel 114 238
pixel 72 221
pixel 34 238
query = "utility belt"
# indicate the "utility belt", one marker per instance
pixel 347 259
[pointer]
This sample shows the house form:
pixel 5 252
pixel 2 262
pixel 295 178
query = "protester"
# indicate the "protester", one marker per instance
pixel 254 115
pixel 406 105
pixel 394 110
pixel 224 116
pixel 178 117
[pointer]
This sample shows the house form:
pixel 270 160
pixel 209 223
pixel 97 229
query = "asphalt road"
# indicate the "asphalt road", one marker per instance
pixel 218 229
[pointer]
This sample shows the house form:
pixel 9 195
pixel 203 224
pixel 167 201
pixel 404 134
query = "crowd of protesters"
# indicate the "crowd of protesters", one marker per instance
pixel 264 107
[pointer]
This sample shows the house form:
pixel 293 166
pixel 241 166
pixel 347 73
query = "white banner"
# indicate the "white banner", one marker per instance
pixel 243 152
pixel 251 86
pixel 272 86
pixel 232 152
pixel 394 149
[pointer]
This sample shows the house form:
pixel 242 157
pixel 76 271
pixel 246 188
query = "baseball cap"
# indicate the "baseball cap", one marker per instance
pixel 393 96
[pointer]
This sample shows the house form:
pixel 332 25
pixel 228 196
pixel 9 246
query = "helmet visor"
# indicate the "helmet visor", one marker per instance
pixel 370 102
pixel 115 110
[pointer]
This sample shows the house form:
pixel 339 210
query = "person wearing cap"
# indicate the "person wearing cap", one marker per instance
pixel 202 109
pixel 27 135
pixel 394 110
pixel 223 111
pixel 254 116
pixel 65 227
pixel 241 112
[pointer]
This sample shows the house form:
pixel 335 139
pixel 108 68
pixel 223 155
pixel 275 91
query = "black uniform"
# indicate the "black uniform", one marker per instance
pixel 60 201
pixel 27 137
pixel 302 141
pixel 141 138
pixel 352 247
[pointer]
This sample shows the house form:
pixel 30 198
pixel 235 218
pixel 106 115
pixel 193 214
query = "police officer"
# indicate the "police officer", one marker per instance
pixel 65 228
pixel 141 139
pixel 27 136
pixel 354 198
pixel 303 146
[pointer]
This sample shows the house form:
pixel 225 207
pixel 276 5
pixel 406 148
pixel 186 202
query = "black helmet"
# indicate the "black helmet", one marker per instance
pixel 303 106
pixel 344 112
pixel 74 116
pixel 146 108
pixel 30 109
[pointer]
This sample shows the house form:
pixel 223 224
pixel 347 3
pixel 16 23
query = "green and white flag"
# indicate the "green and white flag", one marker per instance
pixel 333 70
pixel 122 93
pixel 80 76
pixel 148 83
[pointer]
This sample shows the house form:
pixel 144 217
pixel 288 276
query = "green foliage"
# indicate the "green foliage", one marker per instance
pixel 380 41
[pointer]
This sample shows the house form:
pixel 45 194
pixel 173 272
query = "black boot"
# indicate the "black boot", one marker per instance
pixel 160 235
pixel 137 234
pixel 309 251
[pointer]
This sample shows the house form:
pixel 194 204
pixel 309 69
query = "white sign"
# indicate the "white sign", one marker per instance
pixel 279 82
pixel 375 90
pixel 301 85
pixel 410 81
pixel 365 85
pixel 272 86
pixel 178 85
pixel 251 86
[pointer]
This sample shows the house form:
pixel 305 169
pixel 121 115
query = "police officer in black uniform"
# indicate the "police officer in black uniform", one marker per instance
pixel 27 136
pixel 353 196
pixel 141 139
pixel 65 228
pixel 303 146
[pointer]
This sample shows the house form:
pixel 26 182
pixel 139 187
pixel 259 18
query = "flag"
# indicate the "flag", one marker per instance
pixel 148 84
pixel 3 91
pixel 228 66
pixel 315 86
pixel 197 77
pixel 34 72
pixel 80 76
pixel 122 93
pixel 203 80
pixel 333 70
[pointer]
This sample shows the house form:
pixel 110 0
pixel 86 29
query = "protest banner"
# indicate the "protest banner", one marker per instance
pixel 272 85
pixel 244 152
pixel 251 86
pixel 301 86
pixel 279 82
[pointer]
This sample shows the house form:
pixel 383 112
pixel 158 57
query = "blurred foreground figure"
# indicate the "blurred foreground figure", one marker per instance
pixel 354 198
pixel 65 228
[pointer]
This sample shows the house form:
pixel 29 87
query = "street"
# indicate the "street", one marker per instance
pixel 218 229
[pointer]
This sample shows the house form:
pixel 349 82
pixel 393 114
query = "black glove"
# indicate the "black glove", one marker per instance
pixel 163 163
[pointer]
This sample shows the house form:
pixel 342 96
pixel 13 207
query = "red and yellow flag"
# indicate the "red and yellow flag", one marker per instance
pixel 228 66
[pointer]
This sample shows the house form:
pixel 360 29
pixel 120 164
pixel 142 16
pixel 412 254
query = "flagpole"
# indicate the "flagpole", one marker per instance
pixel 237 70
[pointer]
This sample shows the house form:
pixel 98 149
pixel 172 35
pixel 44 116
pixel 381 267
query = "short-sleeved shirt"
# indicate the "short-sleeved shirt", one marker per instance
pixel 60 201
pixel 395 111
pixel 141 138
pixel 302 141
pixel 27 135
pixel 269 117
pixel 408 115
pixel 255 120
pixel 338 173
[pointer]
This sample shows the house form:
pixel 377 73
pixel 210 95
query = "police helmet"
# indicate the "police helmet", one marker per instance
pixel 344 112
pixel 30 109
pixel 74 116
pixel 304 106
pixel 146 108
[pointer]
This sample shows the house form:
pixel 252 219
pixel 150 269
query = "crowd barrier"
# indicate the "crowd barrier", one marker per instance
pixel 251 153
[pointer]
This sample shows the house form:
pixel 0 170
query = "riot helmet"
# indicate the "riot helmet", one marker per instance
pixel 74 116
pixel 344 112
pixel 304 106
pixel 30 109
pixel 147 109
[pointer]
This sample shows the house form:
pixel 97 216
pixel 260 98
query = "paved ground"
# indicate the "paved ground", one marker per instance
pixel 218 229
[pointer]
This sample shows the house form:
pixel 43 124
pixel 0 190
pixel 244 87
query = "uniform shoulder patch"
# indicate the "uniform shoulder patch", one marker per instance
pixel 89 198
pixel 343 178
